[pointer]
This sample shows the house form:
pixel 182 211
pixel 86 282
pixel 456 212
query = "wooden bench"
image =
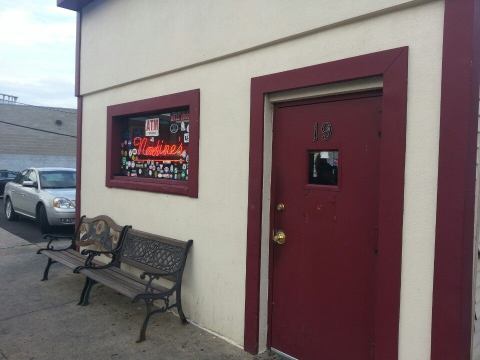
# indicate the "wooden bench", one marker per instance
pixel 100 232
pixel 156 257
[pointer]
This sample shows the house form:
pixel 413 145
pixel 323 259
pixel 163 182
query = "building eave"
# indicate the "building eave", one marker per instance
pixel 75 5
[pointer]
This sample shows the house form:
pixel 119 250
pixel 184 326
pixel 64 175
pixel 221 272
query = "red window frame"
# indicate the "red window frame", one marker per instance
pixel 190 99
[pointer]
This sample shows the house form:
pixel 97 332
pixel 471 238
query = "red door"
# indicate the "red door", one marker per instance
pixel 325 183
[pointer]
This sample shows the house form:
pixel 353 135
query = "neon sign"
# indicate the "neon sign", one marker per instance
pixel 158 151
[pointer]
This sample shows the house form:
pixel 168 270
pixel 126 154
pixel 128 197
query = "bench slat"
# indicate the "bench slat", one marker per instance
pixel 70 258
pixel 132 279
pixel 120 281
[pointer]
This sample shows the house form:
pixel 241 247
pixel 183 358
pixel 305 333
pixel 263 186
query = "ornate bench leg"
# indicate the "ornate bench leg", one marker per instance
pixel 148 305
pixel 82 295
pixel 86 296
pixel 178 302
pixel 47 269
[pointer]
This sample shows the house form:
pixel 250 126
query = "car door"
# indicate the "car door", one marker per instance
pixel 30 197
pixel 16 191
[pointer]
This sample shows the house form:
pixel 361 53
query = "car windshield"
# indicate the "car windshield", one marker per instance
pixel 57 179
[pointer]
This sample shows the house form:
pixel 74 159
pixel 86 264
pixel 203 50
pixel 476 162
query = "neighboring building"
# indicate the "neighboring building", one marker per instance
pixel 37 136
pixel 349 126
pixel 8 99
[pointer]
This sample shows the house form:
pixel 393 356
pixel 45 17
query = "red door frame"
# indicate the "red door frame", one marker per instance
pixel 392 66
pixel 454 246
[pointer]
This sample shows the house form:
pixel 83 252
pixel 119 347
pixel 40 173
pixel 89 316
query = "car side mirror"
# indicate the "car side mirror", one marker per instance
pixel 28 183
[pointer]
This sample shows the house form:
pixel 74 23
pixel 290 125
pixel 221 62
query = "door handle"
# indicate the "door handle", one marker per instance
pixel 279 237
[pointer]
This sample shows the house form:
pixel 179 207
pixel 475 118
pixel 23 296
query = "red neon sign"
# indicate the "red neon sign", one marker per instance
pixel 158 150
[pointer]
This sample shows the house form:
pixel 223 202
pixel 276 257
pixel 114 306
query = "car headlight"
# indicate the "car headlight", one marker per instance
pixel 62 203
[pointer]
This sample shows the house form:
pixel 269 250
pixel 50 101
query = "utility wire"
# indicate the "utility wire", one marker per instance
pixel 41 130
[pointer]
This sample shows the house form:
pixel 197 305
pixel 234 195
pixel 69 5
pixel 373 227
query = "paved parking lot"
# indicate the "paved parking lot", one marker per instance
pixel 27 228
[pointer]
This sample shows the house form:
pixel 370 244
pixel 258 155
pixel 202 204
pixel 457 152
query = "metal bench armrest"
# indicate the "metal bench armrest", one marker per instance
pixel 57 236
pixel 92 267
pixel 53 237
pixel 91 254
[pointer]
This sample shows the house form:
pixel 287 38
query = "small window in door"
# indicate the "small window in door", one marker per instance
pixel 323 167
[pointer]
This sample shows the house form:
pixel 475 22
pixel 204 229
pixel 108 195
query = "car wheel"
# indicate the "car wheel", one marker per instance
pixel 43 220
pixel 10 214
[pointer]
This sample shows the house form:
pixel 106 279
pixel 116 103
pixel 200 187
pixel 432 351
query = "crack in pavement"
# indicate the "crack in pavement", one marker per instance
pixel 38 310
pixel 3 355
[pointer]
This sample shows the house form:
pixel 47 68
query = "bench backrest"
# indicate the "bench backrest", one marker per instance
pixel 101 232
pixel 155 254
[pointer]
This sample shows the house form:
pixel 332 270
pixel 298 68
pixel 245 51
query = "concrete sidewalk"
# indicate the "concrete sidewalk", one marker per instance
pixel 40 320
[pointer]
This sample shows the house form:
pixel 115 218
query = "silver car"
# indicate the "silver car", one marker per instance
pixel 44 194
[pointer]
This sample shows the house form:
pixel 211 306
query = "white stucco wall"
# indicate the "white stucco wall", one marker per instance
pixel 120 44
pixel 172 34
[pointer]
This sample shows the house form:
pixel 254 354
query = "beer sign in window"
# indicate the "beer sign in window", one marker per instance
pixel 153 144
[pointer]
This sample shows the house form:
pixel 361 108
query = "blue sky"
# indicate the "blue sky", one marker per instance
pixel 37 52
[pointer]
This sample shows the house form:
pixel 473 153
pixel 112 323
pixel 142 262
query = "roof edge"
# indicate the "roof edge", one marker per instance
pixel 75 5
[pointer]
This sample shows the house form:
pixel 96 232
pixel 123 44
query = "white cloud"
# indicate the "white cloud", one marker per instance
pixel 37 50
pixel 42 91
pixel 20 28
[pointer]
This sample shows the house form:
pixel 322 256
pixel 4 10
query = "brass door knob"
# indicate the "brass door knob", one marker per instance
pixel 279 237
pixel 280 207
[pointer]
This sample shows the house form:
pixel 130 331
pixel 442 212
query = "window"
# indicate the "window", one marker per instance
pixel 323 167
pixel 57 179
pixel 156 146
pixel 152 144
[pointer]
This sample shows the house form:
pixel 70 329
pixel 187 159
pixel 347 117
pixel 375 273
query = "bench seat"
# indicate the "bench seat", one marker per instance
pixel 70 258
pixel 156 257
pixel 122 282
